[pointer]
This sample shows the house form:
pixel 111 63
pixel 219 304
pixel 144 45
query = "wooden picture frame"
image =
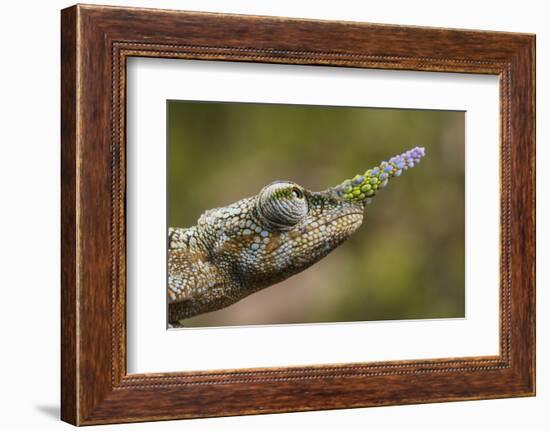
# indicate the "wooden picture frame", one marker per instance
pixel 95 43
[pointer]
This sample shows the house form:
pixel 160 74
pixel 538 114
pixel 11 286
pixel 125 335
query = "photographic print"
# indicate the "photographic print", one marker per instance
pixel 282 214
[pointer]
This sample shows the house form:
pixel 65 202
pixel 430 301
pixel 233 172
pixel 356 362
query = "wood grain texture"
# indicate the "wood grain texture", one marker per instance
pixel 96 41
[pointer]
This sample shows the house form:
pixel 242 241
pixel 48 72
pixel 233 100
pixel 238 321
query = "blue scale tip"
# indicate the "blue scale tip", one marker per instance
pixel 358 179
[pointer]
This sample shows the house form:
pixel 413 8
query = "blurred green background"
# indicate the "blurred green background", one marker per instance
pixel 407 259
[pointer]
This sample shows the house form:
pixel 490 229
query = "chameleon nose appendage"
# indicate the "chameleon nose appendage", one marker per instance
pixel 365 186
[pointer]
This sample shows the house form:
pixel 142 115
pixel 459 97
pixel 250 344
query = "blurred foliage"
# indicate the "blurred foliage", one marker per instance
pixel 407 259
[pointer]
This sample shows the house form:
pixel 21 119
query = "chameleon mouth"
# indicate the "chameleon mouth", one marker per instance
pixel 342 216
pixel 355 218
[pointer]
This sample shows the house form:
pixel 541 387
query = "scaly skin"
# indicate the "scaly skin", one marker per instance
pixel 258 241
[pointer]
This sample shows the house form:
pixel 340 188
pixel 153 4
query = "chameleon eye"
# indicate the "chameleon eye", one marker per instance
pixel 282 205
pixel 297 193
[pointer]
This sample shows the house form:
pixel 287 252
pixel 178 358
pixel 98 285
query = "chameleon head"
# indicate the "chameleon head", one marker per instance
pixel 299 227
pixel 303 224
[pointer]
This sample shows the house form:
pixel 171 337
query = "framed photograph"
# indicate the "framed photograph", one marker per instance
pixel 263 214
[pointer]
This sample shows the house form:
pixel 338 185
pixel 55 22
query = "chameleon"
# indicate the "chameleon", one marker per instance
pixel 256 242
